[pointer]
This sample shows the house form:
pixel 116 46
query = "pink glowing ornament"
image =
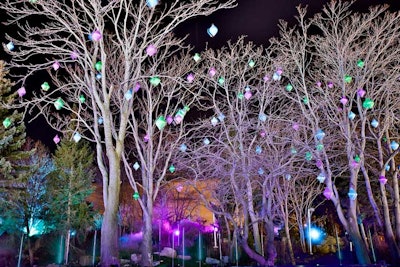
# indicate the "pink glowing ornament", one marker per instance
pixel 382 179
pixel 21 91
pixel 169 119
pixel 330 85
pixel 56 139
pixel 212 72
pixel 361 92
pixel 266 78
pixel 352 194
pixel 248 94
pixel 354 164
pixel 328 193
pixel 96 35
pixel 137 87
pixel 212 31
pixel 74 55
pixel 7 122
pixel 179 188
pixel 56 65
pixel 151 50
pixel 296 126
pixel 318 84
pixel 263 133
pixel 190 77
pixel 146 138
pixel 344 100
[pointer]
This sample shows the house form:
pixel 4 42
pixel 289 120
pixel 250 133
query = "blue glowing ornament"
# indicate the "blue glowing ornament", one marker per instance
pixel 352 194
pixel 262 117
pixel 320 135
pixel 136 166
pixel 394 145
pixel 321 177
pixel 128 94
pixel 183 148
pixel 10 46
pixel 151 3
pixel 77 137
pixel 214 121
pixel 387 168
pixel 276 77
pixel 374 123
pixel 212 31
pixel 260 171
pixel 351 115
pixel 100 120
pixel 98 76
pixel 258 149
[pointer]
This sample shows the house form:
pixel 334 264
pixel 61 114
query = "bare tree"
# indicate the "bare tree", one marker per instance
pixel 95 53
pixel 342 68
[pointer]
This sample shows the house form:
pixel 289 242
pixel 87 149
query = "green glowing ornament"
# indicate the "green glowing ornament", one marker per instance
pixel 161 122
pixel 196 57
pixel 136 195
pixel 252 63
pixel 155 81
pixel 384 139
pixel 221 81
pixel 45 86
pixel 240 95
pixel 368 103
pixel 289 87
pixel 357 158
pixel 319 147
pixel 59 104
pixel 360 63
pixel 348 79
pixel 306 100
pixel 172 169
pixel 82 99
pixel 308 156
pixel 7 122
pixel 98 65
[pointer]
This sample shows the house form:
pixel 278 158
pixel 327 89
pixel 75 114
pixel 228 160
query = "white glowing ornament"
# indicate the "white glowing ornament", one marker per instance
pixel 190 77
pixel 128 94
pixel 262 117
pixel 10 46
pixel 260 171
pixel 206 141
pixel 214 121
pixel 136 166
pixel 221 117
pixel 321 177
pixel 351 115
pixel 183 148
pixel 77 137
pixel 212 31
pixel 374 123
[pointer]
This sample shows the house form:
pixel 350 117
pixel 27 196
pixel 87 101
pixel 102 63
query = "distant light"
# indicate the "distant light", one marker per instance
pixel 316 234
pixel 177 232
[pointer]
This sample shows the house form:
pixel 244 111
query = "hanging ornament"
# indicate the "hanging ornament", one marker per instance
pixel 172 169
pixel 368 103
pixel 212 31
pixel 330 85
pixel 387 168
pixel 98 76
pixel 266 78
pixel 260 171
pixel 221 117
pixel 180 114
pixel 319 164
pixel 318 84
pixel 214 121
pixel 321 177
pixel 98 65
pixel 262 117
pixel 252 63
pixel 82 99
pixel 308 156
pixel 328 193
pixel 137 87
pixel 179 188
pixel 382 179
pixel 263 133
pixel 276 76
pixel 146 138
pixel 74 55
pixel 151 50
pixel 289 87
pixel 77 137
pixel 351 115
pixel 352 194
pixel 59 104
pixel 374 123
pixel 10 46
pixel 56 65
pixel 344 100
pixel 161 122
pixel 196 57
pixel 288 176
pixel 183 148
pixel 190 77
pixel 6 122
pixel 100 120
pixel 169 119
pixel 319 147
pixel 394 145
pixel 128 94
pixel 248 93
pixel 240 95
pixel 155 81
pixel 348 79
pixel 293 150
pixel 258 150
pixel 354 164
pixel 357 158
pixel 136 166
pixel 45 86
pixel 296 126
pixel 56 139
pixel 319 135
pixel 21 91
pixel 206 141
pixel 306 100
pixel 212 72
pixel 221 81
pixel 151 3
pixel 96 35
pixel 136 196
pixel 361 92
pixel 360 63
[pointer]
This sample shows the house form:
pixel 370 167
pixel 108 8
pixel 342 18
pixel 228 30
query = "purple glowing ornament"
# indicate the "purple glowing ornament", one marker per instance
pixel 56 139
pixel 169 119
pixel 344 100
pixel 151 50
pixel 56 65
pixel 296 126
pixel 354 164
pixel 21 91
pixel 382 179
pixel 146 138
pixel 248 94
pixel 96 35
pixel 74 55
pixel 328 193
pixel 361 92
pixel 330 84
pixel 190 77
pixel 136 88
pixel 266 78
pixel 212 72
pixel 262 133
pixel 319 164
pixel 318 84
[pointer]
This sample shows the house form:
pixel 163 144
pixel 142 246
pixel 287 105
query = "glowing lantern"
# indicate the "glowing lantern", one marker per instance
pixel 361 92
pixel 96 35
pixel 382 179
pixel 351 115
pixel 206 141
pixel 169 119
pixel 252 63
pixel 183 148
pixel 321 177
pixel 7 122
pixel 360 63
pixel 45 86
pixel 136 88
pixel 146 138
pixel 82 99
pixel 212 31
pixel 352 194
pixel 56 139
pixel 357 158
pixel 374 123
pixel 260 171
pixel 151 3
pixel 305 100
pixel 190 77
pixel 98 65
pixel 100 120
pixel 344 100
pixel 56 65
pixel 136 196
pixel 10 46
pixel 320 135
pixel 161 122
pixel 128 94
pixel 155 81
pixel 74 55
pixel 59 104
pixel 214 121
pixel 172 169
pixel 319 146
pixel 21 91
pixel 308 156
pixel 248 94
pixel 330 85
pixel 136 166
pixel 368 103
pixel 221 81
pixel 196 57
pixel 348 79
pixel 258 149
pixel 221 117
pixel 212 72
pixel 289 87
pixel 77 137
pixel 328 193
pixel 296 126
pixel 394 145
pixel 262 117
pixel 151 50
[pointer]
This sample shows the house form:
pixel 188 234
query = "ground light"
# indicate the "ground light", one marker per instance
pixel 315 235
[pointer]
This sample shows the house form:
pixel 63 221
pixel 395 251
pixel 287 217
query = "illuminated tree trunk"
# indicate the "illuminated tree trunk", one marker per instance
pixel 147 244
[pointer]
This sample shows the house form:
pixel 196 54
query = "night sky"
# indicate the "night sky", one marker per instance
pixel 257 19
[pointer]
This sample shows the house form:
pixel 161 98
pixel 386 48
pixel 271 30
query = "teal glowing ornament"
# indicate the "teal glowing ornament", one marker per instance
pixel 196 57
pixel 319 147
pixel 136 166
pixel 45 86
pixel 135 196
pixel 82 99
pixel 306 100
pixel 56 139
pixel 212 31
pixel 100 120
pixel 206 141
pixel 319 135
pixel 344 100
pixel 96 36
pixel 289 87
pixel 394 145
pixel 56 65
pixel 351 115
pixel 212 72
pixel 128 94
pixel 6 122
pixel 357 158
pixel 258 150
pixel 374 123
pixel 171 169
pixel 77 137
pixel 190 77
pixel 151 3
pixel 161 122
pixel 308 156
pixel 221 117
pixel 59 104
pixel 382 179
pixel 348 79
pixel 183 148
pixel 21 91
pixel 10 46
pixel 221 81
pixel 328 193
pixel 368 103
pixel 151 50
pixel 260 171
pixel 214 121
pixel 98 65
pixel 384 139
pixel 262 117
pixel 321 177
pixel 252 63
pixel 352 194
pixel 155 81
pixel 240 95
pixel 360 63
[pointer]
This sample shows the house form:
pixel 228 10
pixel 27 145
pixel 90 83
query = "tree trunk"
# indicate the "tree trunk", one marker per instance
pixel 359 245
pixel 270 246
pixel 30 251
pixel 147 244
pixel 290 247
